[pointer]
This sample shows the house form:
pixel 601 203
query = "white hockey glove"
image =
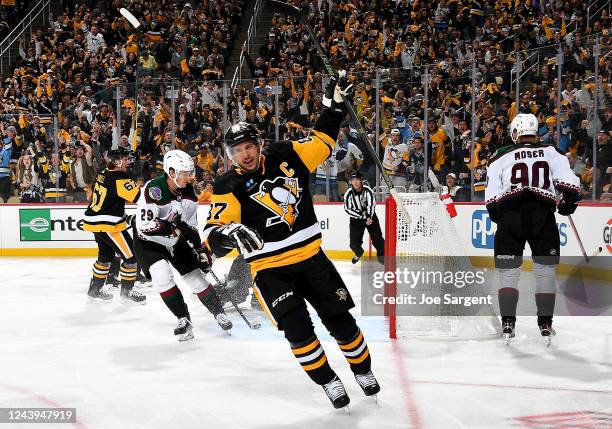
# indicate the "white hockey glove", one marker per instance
pixel 242 237
pixel 336 90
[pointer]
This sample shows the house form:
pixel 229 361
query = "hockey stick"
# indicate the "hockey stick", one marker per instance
pixel 134 22
pixel 586 258
pixel 255 324
pixel 295 12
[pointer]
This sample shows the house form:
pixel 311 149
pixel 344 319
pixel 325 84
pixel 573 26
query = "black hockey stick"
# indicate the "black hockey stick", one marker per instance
pixel 287 9
pixel 255 324
pixel 586 257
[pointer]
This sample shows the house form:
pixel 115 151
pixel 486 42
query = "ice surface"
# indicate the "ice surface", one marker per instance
pixel 121 366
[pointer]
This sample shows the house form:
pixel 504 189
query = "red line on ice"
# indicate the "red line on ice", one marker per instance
pixel 509 386
pixel 413 412
pixel 43 400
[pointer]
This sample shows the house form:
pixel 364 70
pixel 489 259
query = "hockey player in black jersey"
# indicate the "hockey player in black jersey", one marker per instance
pixel 264 208
pixel 520 197
pixel 105 217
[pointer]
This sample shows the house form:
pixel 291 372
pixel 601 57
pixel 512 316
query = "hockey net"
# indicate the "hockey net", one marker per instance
pixel 431 243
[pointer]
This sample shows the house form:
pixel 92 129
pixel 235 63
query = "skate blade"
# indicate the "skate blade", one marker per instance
pixel 144 284
pixel 374 398
pixel 92 300
pixel 186 336
pixel 128 301
pixel 347 409
pixel 507 338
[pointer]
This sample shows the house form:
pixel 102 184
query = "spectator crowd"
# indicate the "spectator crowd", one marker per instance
pixel 89 82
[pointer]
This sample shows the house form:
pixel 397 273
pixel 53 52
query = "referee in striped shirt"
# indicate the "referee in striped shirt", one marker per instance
pixel 359 203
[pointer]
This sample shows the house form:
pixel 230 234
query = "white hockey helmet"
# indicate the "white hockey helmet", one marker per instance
pixel 523 124
pixel 178 161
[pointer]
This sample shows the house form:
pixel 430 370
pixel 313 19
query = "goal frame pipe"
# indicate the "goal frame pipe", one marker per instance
pixel 390 263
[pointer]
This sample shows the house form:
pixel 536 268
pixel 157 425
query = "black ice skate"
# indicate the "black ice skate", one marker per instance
pixel 355 259
pixel 97 294
pixel 224 322
pixel 546 329
pixel 368 384
pixel 336 393
pixel 133 297
pixel 508 324
pixel 184 329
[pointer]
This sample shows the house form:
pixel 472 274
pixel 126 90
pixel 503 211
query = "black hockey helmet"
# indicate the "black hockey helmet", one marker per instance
pixel 239 133
pixel 115 156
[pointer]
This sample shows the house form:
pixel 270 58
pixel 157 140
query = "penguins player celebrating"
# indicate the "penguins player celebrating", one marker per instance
pixel 264 208
pixel 167 235
pixel 520 198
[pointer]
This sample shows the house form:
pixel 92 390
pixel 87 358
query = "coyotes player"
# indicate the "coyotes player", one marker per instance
pixel 520 198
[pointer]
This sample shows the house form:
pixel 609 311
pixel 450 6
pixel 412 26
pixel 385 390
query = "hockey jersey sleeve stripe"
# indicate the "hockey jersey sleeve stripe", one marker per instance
pixel 316 149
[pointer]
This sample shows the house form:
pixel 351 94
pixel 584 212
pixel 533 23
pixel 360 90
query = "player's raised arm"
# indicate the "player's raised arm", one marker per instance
pixel 320 144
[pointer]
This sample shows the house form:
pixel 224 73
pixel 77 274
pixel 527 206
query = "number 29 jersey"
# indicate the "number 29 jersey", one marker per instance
pixel 106 212
pixel 529 169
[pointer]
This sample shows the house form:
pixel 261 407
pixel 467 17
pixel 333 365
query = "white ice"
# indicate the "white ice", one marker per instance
pixel 121 366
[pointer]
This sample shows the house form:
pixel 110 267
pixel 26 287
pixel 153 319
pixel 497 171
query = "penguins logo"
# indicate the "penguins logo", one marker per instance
pixel 281 196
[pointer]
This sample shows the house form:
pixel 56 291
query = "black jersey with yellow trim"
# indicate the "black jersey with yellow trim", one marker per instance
pixel 106 212
pixel 275 199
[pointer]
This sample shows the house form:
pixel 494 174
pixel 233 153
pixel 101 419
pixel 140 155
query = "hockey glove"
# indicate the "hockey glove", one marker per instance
pixel 336 90
pixel 565 209
pixel 205 258
pixel 242 237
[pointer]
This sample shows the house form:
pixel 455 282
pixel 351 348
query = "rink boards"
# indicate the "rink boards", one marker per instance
pixel 56 230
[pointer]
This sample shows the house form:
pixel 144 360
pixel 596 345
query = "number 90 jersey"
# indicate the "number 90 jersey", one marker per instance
pixel 106 212
pixel 529 169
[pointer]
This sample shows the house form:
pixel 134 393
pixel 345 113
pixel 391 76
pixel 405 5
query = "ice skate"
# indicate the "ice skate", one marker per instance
pixel 98 294
pixel 224 322
pixel 113 282
pixel 133 297
pixel 368 384
pixel 184 329
pixel 337 394
pixel 546 330
pixel 355 259
pixel 508 330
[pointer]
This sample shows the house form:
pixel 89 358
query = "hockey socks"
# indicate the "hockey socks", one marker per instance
pixel 508 300
pixel 173 298
pixel 99 273
pixel 211 301
pixel 311 356
pixel 356 352
pixel 128 277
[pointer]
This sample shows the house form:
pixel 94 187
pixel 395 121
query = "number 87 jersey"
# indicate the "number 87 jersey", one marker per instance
pixel 528 169
pixel 106 212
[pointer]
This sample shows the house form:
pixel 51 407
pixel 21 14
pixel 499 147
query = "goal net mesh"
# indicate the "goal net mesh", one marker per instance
pixel 429 243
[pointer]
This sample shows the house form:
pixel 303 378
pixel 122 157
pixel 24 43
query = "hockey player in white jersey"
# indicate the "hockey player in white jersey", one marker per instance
pixel 523 179
pixel 167 236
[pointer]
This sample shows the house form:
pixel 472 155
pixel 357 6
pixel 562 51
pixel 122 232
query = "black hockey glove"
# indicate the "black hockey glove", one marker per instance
pixel 336 90
pixel 568 203
pixel 565 209
pixel 205 258
pixel 242 237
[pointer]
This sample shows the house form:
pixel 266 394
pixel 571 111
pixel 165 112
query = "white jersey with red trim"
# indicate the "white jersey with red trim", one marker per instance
pixel 537 169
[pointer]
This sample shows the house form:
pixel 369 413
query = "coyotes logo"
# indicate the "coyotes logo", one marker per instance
pixel 281 196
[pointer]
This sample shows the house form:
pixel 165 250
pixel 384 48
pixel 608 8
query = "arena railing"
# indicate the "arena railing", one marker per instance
pixel 42 7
